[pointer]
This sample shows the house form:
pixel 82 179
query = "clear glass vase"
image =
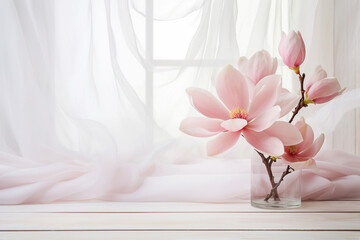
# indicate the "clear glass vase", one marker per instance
pixel 288 193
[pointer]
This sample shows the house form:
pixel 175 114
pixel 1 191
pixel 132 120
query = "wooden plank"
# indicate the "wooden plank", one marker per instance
pixel 128 207
pixel 181 235
pixel 180 221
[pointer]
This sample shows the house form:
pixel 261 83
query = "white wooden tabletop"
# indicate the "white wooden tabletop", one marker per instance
pixel 119 220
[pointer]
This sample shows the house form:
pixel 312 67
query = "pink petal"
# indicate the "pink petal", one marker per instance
pixel 265 95
pixel 326 99
pixel 234 125
pixel 290 158
pixel 275 65
pixel 287 101
pixel 308 136
pixel 260 65
pixel 308 164
pixel 300 123
pixel 264 142
pixel 222 142
pixel 282 46
pixel 201 127
pixel 293 58
pixel 251 87
pixel 292 49
pixel 242 64
pixel 314 149
pixel 301 57
pixel 324 88
pixel 265 120
pixel 317 76
pixel 232 88
pixel 286 132
pixel 207 104
pixel 296 51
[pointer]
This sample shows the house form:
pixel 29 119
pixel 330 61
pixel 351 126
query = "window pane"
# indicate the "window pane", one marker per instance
pixel 172 38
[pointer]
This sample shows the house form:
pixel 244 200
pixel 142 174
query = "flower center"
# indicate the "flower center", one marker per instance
pixel 238 113
pixel 292 149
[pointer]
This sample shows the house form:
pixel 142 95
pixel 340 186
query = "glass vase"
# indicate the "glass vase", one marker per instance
pixel 288 193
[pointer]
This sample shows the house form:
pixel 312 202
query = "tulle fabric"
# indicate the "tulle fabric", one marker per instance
pixel 75 122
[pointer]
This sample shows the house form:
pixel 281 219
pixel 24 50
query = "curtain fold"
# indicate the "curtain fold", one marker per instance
pixel 74 110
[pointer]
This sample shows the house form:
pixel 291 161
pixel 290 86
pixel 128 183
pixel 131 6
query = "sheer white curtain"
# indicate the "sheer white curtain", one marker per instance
pixel 92 94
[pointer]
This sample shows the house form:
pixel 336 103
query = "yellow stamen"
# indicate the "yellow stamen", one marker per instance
pixel 292 149
pixel 238 113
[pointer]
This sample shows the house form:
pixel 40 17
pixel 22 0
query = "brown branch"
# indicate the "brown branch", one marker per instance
pixel 271 162
pixel 301 103
pixel 268 162
pixel 274 189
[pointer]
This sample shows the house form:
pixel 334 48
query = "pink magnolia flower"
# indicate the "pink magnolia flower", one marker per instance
pixel 260 65
pixel 320 88
pixel 252 115
pixel 306 150
pixel 292 50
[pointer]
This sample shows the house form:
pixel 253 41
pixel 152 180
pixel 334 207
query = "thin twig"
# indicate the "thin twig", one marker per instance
pixel 274 189
pixel 268 162
pixel 301 103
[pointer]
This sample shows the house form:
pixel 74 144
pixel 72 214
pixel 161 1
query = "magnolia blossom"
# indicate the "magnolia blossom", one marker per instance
pixel 260 65
pixel 320 88
pixel 301 155
pixel 292 50
pixel 240 113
